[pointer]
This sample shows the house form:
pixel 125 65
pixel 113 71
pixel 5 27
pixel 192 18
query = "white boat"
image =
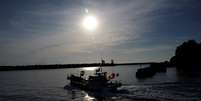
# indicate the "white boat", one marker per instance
pixel 99 81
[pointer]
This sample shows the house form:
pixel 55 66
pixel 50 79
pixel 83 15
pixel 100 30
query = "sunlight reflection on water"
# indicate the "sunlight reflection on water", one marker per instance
pixel 90 68
pixel 88 98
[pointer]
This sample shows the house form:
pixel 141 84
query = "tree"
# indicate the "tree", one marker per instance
pixel 188 56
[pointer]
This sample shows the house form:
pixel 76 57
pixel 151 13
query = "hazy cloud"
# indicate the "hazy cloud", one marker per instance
pixel 50 31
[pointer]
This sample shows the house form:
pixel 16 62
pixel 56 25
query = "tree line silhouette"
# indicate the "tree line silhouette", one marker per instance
pixel 187 56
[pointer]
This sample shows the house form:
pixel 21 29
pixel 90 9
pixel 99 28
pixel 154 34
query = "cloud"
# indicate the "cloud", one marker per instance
pixel 51 31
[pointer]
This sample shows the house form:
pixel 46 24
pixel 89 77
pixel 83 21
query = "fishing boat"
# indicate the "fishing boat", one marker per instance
pixel 97 82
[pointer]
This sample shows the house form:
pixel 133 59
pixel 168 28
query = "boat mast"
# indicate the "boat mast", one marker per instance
pixel 101 64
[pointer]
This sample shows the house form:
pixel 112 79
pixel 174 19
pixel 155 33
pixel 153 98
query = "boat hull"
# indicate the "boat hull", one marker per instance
pixel 93 85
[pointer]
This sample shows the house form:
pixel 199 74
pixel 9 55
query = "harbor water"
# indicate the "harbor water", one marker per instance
pixel 48 85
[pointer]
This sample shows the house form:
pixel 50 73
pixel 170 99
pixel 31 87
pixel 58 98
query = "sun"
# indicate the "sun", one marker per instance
pixel 90 23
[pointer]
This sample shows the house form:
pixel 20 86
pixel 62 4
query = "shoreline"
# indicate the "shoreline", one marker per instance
pixel 61 66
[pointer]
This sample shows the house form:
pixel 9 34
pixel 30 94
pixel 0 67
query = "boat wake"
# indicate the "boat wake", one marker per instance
pixel 126 92
pixel 171 91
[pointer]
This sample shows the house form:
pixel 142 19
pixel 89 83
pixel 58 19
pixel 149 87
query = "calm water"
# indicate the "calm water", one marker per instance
pixel 48 85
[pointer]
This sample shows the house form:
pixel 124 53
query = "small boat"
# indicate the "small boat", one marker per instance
pixel 145 72
pixel 97 82
pixel 151 70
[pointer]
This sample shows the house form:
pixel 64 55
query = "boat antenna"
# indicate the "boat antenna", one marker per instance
pixel 101 64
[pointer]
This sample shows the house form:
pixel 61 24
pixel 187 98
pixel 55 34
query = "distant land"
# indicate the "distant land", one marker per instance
pixel 187 58
pixel 60 66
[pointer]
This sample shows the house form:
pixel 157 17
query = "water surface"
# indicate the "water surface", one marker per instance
pixel 48 85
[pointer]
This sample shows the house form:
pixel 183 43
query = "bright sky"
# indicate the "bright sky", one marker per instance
pixel 52 31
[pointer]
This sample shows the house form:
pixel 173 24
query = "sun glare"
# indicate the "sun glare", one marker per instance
pixel 90 22
pixel 90 68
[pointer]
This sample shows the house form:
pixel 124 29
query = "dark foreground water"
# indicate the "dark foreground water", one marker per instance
pixel 48 85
